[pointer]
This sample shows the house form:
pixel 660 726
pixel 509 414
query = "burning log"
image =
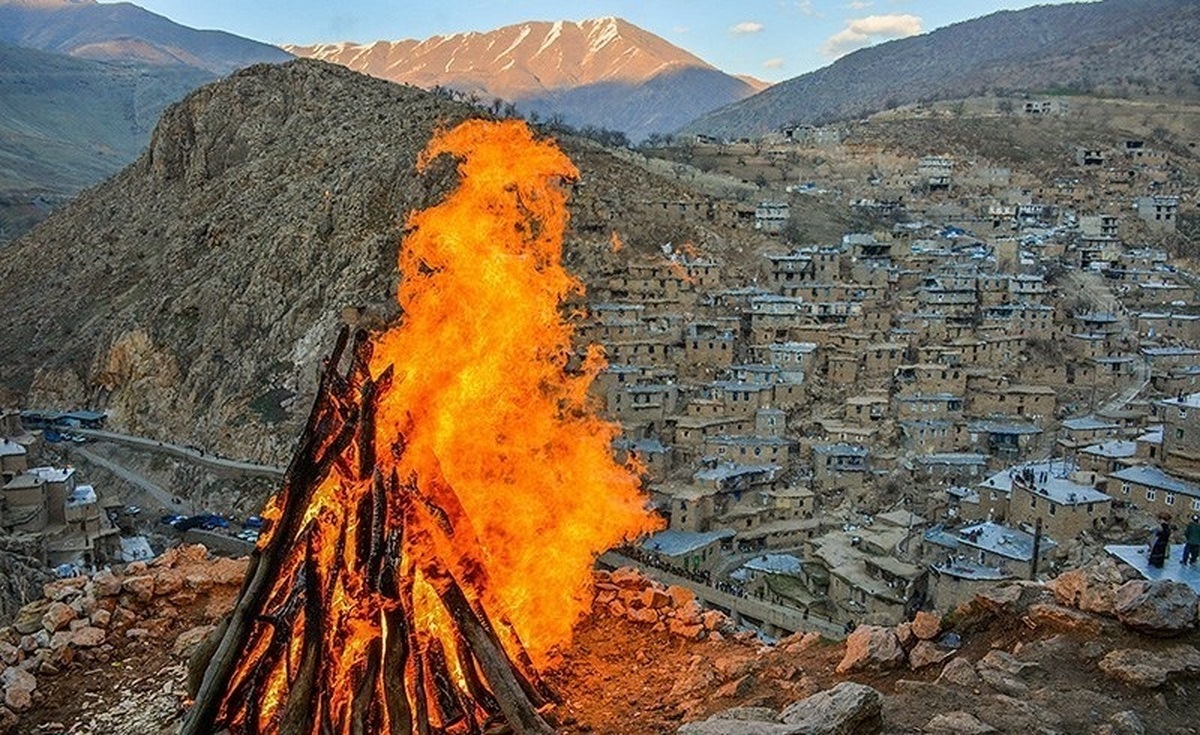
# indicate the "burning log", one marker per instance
pixel 275 671
pixel 402 585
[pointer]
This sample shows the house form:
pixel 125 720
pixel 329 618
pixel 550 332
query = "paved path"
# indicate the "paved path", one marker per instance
pixel 200 457
pixel 164 498
pixel 787 619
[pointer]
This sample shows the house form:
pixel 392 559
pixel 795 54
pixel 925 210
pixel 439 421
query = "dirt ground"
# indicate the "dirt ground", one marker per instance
pixel 621 678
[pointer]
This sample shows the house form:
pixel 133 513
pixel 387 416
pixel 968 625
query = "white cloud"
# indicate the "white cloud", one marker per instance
pixel 680 29
pixel 775 63
pixel 860 32
pixel 806 8
pixel 859 4
pixel 745 28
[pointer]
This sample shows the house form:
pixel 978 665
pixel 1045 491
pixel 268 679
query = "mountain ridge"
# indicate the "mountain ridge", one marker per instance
pixel 125 32
pixel 1118 47
pixel 603 72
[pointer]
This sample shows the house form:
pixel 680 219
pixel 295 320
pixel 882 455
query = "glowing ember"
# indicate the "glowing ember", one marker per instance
pixel 435 535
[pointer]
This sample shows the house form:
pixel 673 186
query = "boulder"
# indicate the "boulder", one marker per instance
pixel 19 686
pixel 655 599
pixel 927 653
pixel 101 618
pixel 717 726
pixel 871 648
pixel 87 637
pixel 64 589
pixel 1005 663
pixel 141 587
pixel 927 625
pixel 848 708
pixel 168 581
pixel 29 617
pixel 713 620
pixel 904 633
pixel 681 597
pixel 1162 607
pixel 1127 723
pixel 189 640
pixel 1092 588
pixel 691 632
pixel 8 720
pixel 106 584
pixel 1150 669
pixel 628 578
pixel 58 616
pixel 957 723
pixel 9 654
pixel 1062 618
pixel 960 672
pixel 643 615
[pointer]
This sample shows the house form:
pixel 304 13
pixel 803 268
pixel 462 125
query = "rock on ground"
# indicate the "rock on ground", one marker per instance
pixel 1150 669
pixel 871 648
pixel 957 723
pixel 847 709
pixel 1162 607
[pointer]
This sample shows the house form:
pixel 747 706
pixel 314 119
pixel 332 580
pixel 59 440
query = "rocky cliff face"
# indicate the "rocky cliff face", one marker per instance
pixel 194 294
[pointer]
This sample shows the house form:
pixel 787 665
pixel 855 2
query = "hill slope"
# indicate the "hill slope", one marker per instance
pixel 124 32
pixel 1120 47
pixel 81 86
pixel 67 123
pixel 604 71
pixel 207 280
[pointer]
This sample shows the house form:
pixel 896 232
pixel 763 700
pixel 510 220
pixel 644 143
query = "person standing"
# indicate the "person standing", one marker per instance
pixel 1160 546
pixel 1191 537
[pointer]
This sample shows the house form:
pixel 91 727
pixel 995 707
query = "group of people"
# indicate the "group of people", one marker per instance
pixel 1161 545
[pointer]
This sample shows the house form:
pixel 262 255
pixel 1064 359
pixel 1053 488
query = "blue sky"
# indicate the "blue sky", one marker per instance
pixel 769 39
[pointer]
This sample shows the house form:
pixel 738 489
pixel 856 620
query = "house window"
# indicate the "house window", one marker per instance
pixel 1170 498
pixel 1179 433
pixel 1124 488
pixel 1052 507
pixel 1195 503
pixel 1151 494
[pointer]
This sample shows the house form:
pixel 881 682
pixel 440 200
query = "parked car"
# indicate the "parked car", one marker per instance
pixel 253 522
pixel 171 519
pixel 206 521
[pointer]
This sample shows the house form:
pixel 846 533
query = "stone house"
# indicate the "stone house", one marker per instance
pixel 1065 508
pixel 1181 434
pixel 839 465
pixel 1154 491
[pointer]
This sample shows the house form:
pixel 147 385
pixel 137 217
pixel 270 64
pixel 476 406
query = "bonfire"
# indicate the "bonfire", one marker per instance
pixel 433 541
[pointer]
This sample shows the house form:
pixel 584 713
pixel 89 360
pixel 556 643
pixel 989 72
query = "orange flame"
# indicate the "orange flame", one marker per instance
pixel 484 392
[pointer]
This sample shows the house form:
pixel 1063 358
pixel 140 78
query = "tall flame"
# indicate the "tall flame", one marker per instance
pixel 486 395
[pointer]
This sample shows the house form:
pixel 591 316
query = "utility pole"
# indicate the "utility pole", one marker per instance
pixel 1037 546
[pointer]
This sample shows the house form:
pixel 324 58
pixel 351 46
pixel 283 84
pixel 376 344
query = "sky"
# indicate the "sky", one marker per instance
pixel 769 39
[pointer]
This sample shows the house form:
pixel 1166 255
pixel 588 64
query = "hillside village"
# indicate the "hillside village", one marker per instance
pixel 992 382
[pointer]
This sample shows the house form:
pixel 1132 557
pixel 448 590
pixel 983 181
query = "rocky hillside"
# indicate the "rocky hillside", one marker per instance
pixel 194 294
pixel 604 72
pixel 125 33
pixel 1135 48
pixel 1092 652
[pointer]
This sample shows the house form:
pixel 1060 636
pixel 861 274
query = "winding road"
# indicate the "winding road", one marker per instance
pixel 222 465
